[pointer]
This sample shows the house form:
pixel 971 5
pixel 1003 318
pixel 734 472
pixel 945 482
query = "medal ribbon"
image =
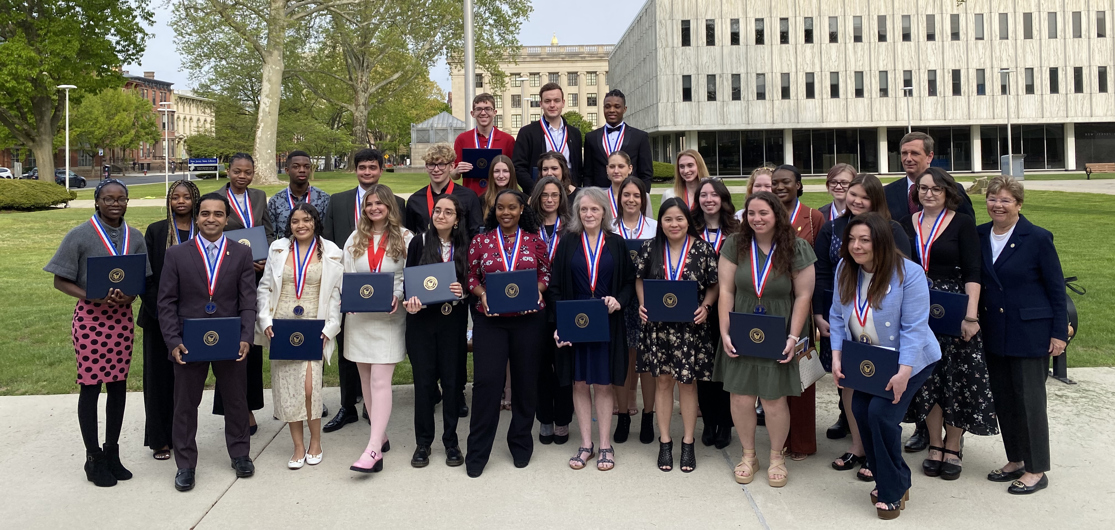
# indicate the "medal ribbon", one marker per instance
pixel 476 136
pixel 551 241
pixel 613 204
pixel 592 259
pixel 760 274
pixel 375 256
pixel 212 268
pixel 549 137
pixel 103 234
pixel 718 242
pixel 632 234
pixel 430 197
pixel 608 148
pixel 923 245
pixel 301 268
pixel 443 259
pixel 245 213
pixel 178 235
pixel 832 212
pixel 797 210
pixel 290 197
pixel 669 265
pixel 510 261
pixel 861 308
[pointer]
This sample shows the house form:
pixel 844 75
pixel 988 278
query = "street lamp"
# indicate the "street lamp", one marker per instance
pixel 470 63
pixel 66 177
pixel 1010 144
pixel 909 90
pixel 523 98
pixel 164 108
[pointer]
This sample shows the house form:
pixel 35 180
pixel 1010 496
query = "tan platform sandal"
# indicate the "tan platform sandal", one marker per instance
pixel 777 467
pixel 748 464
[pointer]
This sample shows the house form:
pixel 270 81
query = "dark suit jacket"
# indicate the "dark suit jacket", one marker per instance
pixel 340 218
pixel 1022 304
pixel 260 216
pixel 897 197
pixel 183 292
pixel 531 144
pixel 417 213
pixel 636 144
pixel 155 237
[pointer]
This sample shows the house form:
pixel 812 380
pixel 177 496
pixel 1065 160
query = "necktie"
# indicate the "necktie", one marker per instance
pixel 212 252
pixel 608 129
pixel 913 206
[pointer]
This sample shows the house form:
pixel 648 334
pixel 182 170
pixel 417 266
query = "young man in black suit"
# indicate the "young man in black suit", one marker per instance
pixel 339 223
pixel 534 140
pixel 916 150
pixel 621 137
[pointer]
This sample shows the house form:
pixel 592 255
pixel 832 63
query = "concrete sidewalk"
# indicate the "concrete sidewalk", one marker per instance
pixel 42 483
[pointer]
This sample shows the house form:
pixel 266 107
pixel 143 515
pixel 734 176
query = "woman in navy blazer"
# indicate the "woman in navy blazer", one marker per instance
pixel 894 315
pixel 1024 320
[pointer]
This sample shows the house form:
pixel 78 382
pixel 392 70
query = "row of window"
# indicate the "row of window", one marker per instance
pixel 517 119
pixel 859 89
pixel 978 31
pixel 572 79
pixel 571 100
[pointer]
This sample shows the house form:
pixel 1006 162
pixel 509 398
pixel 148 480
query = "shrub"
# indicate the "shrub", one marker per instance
pixel 32 194
pixel 663 171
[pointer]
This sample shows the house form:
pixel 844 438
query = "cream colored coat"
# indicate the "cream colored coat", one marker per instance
pixel 329 297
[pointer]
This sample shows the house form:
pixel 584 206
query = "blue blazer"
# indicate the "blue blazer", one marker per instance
pixel 901 320
pixel 1022 304
pixel 897 194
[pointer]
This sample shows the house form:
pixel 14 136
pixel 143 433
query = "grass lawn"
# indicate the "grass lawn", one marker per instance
pixel 39 359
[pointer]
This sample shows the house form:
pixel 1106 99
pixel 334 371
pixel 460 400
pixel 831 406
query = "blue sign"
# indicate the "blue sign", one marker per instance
pixel 203 161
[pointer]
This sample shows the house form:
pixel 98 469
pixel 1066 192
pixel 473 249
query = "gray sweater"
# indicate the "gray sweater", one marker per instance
pixel 82 243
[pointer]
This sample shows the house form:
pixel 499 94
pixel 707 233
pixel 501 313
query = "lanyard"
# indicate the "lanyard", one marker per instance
pixel 510 261
pixel 634 233
pixel 450 258
pixel 760 274
pixel 673 272
pixel 290 197
pixel 301 268
pixel 103 234
pixel 592 258
pixel 551 241
pixel 925 245
pixel 212 267
pixel 243 212
pixel 178 235
pixel 375 255
pixel 611 148
pixel 716 243
pixel 549 137
pixel 476 137
pixel 430 197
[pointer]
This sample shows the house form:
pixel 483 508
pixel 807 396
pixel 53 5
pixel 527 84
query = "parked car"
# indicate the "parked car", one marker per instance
pixel 6 173
pixel 32 175
pixel 76 181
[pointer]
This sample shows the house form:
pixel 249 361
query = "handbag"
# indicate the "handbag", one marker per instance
pixel 810 369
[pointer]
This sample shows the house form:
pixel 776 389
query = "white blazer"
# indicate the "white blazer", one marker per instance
pixel 329 298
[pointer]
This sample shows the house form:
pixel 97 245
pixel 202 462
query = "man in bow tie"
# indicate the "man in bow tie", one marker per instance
pixel 620 137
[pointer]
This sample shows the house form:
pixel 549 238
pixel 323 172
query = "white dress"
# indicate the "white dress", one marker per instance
pixel 377 338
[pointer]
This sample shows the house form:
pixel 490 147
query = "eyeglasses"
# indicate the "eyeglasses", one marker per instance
pixel 447 212
pixel 1005 202
pixel 109 201
pixel 935 190
pixel 438 165
pixel 840 184
pixel 483 110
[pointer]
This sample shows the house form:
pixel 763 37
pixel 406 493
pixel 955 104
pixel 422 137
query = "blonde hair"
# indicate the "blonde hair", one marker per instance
pixel 394 233
pixel 761 170
pixel 1010 184
pixel 489 198
pixel 441 153
pixel 702 172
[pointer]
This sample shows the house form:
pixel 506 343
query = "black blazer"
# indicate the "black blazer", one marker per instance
pixel 636 144
pixel 340 218
pixel 825 267
pixel 530 145
pixel 260 215
pixel 1022 304
pixel 897 197
pixel 155 237
pixel 623 281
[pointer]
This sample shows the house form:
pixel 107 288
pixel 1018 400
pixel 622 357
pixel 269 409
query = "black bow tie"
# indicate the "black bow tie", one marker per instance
pixel 608 129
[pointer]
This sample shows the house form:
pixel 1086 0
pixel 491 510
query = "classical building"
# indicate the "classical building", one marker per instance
pixel 193 114
pixel 582 72
pixel 813 83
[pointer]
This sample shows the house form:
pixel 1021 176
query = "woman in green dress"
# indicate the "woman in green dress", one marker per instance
pixel 764 269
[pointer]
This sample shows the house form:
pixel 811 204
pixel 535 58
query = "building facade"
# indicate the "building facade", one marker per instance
pixel 193 114
pixel 582 72
pixel 812 83
pixel 150 155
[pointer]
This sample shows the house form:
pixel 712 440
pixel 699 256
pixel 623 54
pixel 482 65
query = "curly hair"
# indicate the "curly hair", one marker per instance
pixel 784 234
pixel 311 211
pixel 528 220
pixel 394 233
pixel 761 170
pixel 440 153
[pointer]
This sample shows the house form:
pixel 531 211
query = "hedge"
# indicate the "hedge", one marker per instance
pixel 32 194
pixel 663 171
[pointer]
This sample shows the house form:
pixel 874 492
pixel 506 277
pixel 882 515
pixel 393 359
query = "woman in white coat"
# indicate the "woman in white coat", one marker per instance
pixel 377 341
pixel 305 283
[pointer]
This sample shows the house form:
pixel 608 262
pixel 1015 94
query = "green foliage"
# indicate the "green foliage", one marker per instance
pixel 233 132
pixel 112 119
pixel 32 194
pixel 575 119
pixel 663 171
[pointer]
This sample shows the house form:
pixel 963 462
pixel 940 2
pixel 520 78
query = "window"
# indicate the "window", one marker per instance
pixel 956 83
pixel 1077 30
pixel 535 117
pixel 1004 26
pixel 1004 83
pixel 783 31
pixel 834 85
pixel 591 118
pixel 857 29
pixel 710 32
pixel 516 121
pixel 1052 24
pixel 786 86
pixel 882 28
pixel 499 100
pixel 1054 82
pixel 687 88
pixel 977 26
pixel 808 30
pixel 761 87
pixel 555 77
pixel 1078 80
pixel 734 26
pixel 981 82
pixel 1027 26
pixel 810 88
pixel 572 99
pixel 535 80
pixel 834 30
pixel 535 101
pixel 479 81
pixel 572 79
pixel 1102 77
pixel 1101 24
pixel 685 33
pixel 499 121
pixel 760 31
pixel 590 79
pixel 1029 73
pixel 907 83
pixel 930 27
pixel 859 84
pixel 737 88
pixel 710 88
pixel 515 81
pixel 884 84
pixel 906 36
pixel 954 26
pixel 590 99
pixel 931 89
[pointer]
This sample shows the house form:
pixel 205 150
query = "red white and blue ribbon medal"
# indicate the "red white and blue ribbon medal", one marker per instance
pixel 592 259
pixel 549 137
pixel 609 147
pixel 212 269
pixel 634 233
pixel 552 241
pixel 510 261
pixel 925 245
pixel 243 212
pixel 861 309
pixel 103 234
pixel 673 272
pixel 716 242
pixel 301 269
pixel 760 273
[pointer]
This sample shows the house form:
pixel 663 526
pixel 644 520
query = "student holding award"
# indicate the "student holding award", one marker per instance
pixel 881 301
pixel 510 243
pixel 436 339
pixel 677 352
pixel 764 270
pixel 376 342
pixel 100 361
pixel 958 395
pixel 302 281
pixel 591 263
pixel 501 176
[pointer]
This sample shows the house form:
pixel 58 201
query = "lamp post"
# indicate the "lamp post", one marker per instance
pixel 164 108
pixel 66 177
pixel 470 64
pixel 1005 72
pixel 523 98
pixel 909 90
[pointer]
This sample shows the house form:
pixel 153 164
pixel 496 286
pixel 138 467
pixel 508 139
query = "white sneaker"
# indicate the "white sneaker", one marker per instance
pixel 296 464
pixel 314 460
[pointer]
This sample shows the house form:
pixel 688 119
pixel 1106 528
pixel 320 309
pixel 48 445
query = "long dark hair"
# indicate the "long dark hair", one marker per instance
pixel 644 197
pixel 784 234
pixel 458 237
pixel 536 200
pixel 653 267
pixel 314 215
pixel 528 220
pixel 886 258
pixel 566 178
pixel 728 222
pixel 944 180
pixel 172 228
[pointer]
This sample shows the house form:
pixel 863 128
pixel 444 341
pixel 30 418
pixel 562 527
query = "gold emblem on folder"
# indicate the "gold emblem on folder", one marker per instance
pixel 430 283
pixel 367 291
pixel 936 311
pixel 481 163
pixel 511 290
pixel 867 368
pixel 296 339
pixel 757 335
pixel 670 300
pixel 245 242
pixel 211 338
pixel 581 320
pixel 116 275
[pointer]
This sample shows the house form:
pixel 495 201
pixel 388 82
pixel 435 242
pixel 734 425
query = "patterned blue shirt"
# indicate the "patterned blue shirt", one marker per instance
pixel 278 206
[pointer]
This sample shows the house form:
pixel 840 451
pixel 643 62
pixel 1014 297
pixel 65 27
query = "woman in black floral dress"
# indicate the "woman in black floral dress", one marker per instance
pixel 677 352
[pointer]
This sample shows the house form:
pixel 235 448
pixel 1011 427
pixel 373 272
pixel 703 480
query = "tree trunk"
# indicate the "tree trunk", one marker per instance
pixel 43 149
pixel 360 123
pixel 270 93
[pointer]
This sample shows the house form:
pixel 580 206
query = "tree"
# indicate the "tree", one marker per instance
pixel 232 133
pixel 389 122
pixel 112 119
pixel 575 119
pixel 46 43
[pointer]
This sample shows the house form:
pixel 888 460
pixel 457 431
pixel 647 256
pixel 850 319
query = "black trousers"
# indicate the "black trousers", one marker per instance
pixel 516 339
pixel 555 402
pixel 254 385
pixel 713 402
pixel 351 390
pixel 158 390
pixel 1018 386
pixel 436 343
pixel 189 382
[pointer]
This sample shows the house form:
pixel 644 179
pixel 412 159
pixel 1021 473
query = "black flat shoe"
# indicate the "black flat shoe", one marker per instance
pixel 838 430
pixel 920 440
pixel 545 439
pixel 522 463
pixel 646 428
pixel 421 457
pixel 463 411
pixel 560 439
pixel 1020 488
pixel 1006 476
pixel 950 471
pixel 666 455
pixel 474 473
pixel 252 429
pixel 184 480
pixel 932 468
pixel 623 429
pixel 324 410
pixel 453 456
pixel 688 458
pixel 344 417
pixel 243 466
pixel 848 461
pixel 708 435
pixel 723 437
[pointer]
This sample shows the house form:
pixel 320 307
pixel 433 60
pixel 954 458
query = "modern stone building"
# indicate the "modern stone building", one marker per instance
pixel 813 83
pixel 581 70
pixel 193 114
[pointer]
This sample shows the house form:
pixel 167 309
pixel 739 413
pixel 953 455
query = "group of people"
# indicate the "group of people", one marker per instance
pixel 860 268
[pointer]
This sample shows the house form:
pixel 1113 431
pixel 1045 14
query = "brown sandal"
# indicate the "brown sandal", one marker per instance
pixel 749 464
pixel 161 454
pixel 777 467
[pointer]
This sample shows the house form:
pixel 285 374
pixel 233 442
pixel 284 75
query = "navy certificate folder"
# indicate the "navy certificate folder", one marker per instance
pixel 254 238
pixel 634 247
pixel 367 292
pixel 512 292
pixel 583 321
pixel 868 368
pixel 127 273
pixel 762 336
pixel 297 339
pixel 481 160
pixel 211 339
pixel 670 300
pixel 430 283
pixel 946 312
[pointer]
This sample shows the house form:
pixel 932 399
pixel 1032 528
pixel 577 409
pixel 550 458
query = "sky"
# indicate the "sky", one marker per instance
pixel 574 21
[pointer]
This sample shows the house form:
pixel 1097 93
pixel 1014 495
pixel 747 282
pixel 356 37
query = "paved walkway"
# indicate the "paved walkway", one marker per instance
pixel 42 484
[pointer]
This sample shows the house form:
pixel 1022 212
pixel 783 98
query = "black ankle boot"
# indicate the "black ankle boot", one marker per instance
pixel 623 429
pixel 112 458
pixel 646 430
pixel 96 469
